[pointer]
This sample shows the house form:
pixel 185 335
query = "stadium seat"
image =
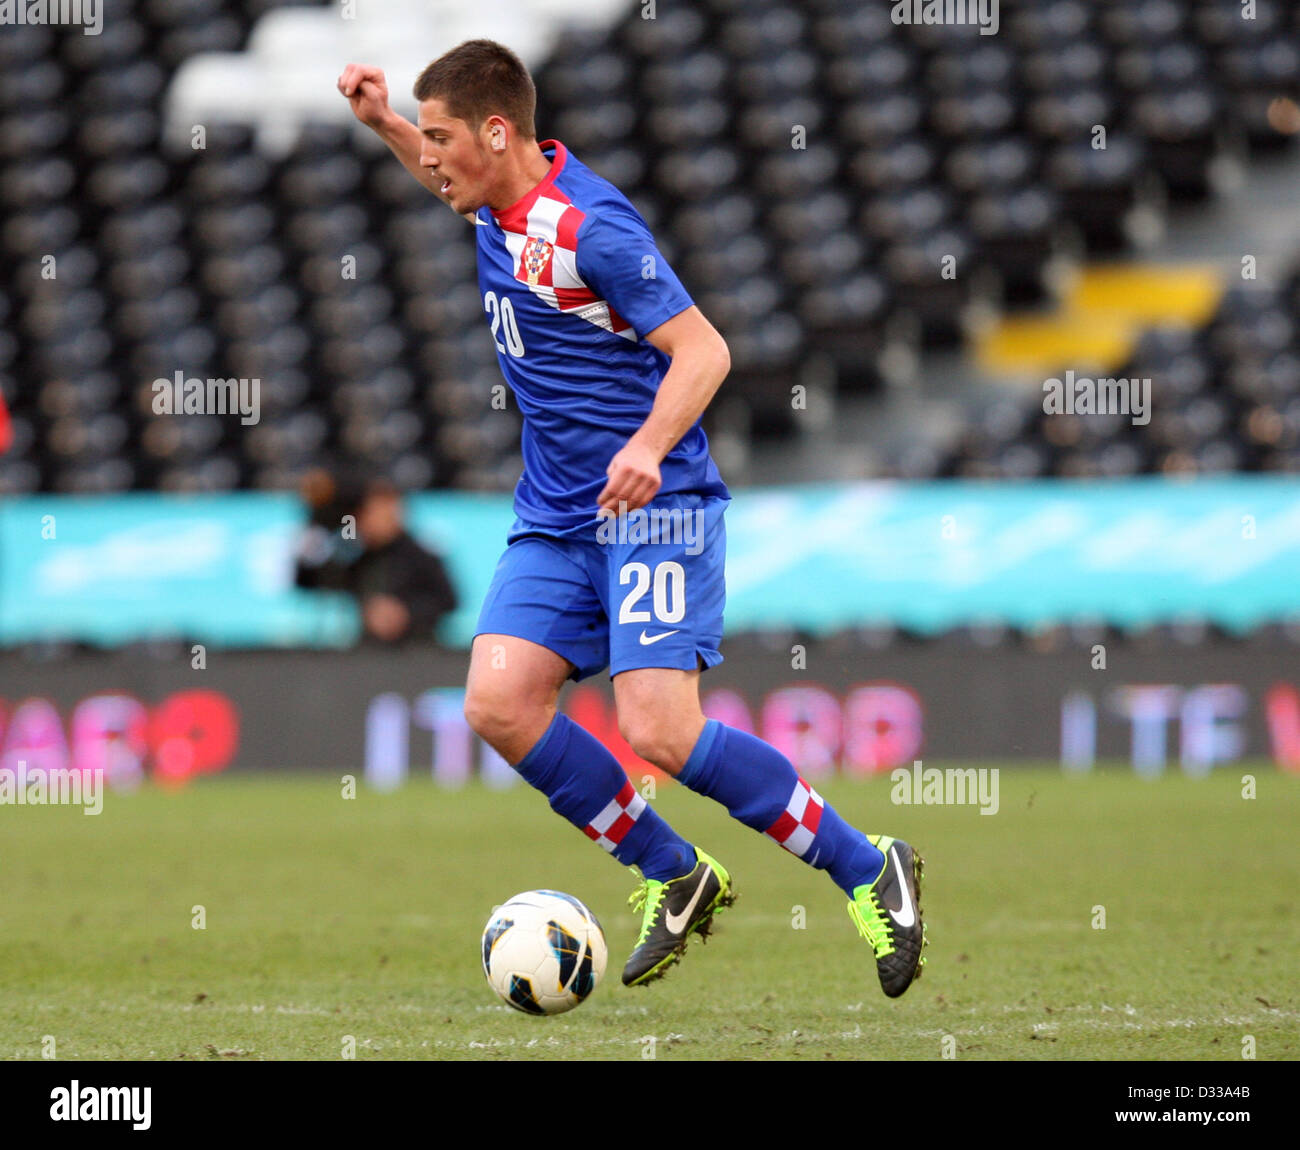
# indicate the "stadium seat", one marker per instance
pixel 917 144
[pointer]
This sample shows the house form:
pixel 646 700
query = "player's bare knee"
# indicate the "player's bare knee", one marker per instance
pixel 491 717
pixel 650 740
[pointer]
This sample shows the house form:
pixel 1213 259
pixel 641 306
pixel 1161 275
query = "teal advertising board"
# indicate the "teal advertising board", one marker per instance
pixel 923 556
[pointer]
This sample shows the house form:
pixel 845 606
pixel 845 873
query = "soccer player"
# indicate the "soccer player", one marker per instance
pixel 616 556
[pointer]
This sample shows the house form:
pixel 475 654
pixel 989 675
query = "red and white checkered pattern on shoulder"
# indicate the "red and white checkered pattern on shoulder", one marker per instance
pixel 541 234
pixel 797 826
pixel 616 819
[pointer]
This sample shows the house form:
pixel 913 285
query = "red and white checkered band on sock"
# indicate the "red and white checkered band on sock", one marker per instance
pixel 797 826
pixel 618 817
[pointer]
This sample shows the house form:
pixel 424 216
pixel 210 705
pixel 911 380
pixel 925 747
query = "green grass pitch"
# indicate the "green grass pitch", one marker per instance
pixel 329 917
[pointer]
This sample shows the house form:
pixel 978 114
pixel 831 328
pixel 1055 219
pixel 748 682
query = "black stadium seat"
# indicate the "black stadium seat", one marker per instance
pixel 809 166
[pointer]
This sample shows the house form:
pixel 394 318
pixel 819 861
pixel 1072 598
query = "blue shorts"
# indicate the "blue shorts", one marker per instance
pixel 645 589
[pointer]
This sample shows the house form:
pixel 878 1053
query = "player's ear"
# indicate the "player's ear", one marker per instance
pixel 498 137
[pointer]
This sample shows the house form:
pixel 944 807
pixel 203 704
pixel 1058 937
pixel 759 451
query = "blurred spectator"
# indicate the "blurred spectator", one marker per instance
pixel 401 589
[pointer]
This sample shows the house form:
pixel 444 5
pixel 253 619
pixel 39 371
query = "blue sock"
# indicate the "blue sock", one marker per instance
pixel 587 786
pixel 760 788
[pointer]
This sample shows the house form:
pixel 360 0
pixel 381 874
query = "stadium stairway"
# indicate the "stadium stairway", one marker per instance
pixel 1099 319
pixel 285 78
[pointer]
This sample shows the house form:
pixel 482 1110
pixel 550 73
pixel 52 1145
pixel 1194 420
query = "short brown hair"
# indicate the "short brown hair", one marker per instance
pixel 478 79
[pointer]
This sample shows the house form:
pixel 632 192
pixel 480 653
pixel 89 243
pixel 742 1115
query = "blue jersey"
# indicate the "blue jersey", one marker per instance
pixel 572 281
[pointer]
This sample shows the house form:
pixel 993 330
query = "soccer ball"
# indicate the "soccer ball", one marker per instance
pixel 543 952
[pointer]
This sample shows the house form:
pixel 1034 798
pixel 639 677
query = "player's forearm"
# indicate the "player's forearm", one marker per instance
pixel 403 139
pixel 687 389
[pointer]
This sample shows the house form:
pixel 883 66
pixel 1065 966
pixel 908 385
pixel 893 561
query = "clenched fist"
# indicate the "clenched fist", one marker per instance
pixel 633 480
pixel 367 91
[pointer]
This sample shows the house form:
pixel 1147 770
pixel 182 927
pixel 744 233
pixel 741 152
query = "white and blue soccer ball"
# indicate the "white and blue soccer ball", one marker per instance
pixel 543 952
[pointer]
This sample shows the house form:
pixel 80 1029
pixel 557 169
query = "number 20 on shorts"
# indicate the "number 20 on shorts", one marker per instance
pixel 667 585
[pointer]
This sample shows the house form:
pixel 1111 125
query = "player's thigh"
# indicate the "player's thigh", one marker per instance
pixel 542 591
pixel 666 588
pixel 659 714
pixel 510 675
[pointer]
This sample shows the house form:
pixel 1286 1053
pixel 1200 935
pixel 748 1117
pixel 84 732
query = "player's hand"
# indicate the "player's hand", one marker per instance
pixel 367 91
pixel 633 480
